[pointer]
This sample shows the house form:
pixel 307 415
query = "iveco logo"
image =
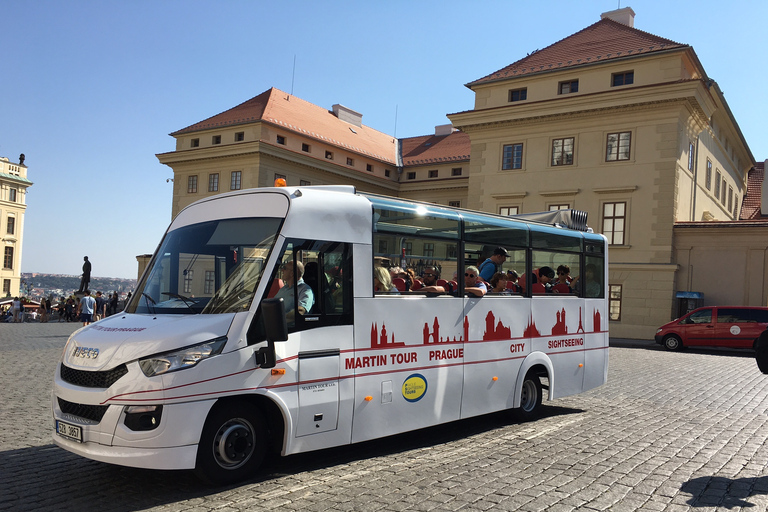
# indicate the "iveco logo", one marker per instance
pixel 88 353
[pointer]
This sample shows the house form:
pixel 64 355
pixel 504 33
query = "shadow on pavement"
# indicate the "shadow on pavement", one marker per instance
pixel 717 491
pixel 50 478
pixel 652 345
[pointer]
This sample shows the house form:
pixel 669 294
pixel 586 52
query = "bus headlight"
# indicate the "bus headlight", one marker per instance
pixel 182 358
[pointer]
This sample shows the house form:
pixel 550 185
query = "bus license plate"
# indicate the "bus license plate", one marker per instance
pixel 72 432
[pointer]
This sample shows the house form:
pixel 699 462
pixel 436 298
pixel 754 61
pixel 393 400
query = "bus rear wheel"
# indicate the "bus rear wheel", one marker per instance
pixel 530 398
pixel 233 443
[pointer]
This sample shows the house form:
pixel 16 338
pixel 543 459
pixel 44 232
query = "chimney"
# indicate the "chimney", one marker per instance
pixel 625 16
pixel 443 129
pixel 764 194
pixel 348 115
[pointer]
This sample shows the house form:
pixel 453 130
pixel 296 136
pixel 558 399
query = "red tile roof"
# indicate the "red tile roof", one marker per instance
pixel 435 149
pixel 600 42
pixel 750 206
pixel 294 114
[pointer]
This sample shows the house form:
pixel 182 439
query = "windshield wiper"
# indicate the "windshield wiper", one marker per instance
pixel 187 301
pixel 149 299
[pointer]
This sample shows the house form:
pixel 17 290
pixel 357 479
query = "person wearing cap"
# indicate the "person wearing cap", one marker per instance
pixel 493 264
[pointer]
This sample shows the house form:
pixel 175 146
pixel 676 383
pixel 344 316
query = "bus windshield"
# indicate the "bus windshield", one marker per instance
pixel 207 268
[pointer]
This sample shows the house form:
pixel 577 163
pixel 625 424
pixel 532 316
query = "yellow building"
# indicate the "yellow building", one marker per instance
pixel 611 120
pixel 620 123
pixel 13 193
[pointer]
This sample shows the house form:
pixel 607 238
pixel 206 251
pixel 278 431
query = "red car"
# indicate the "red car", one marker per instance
pixel 715 326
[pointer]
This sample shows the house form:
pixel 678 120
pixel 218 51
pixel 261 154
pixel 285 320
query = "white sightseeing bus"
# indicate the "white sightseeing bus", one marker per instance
pixel 210 366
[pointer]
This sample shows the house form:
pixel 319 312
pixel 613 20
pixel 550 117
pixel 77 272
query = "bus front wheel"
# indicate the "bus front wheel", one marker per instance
pixel 233 443
pixel 530 398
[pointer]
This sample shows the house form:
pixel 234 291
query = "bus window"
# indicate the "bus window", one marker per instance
pixel 550 262
pixel 418 254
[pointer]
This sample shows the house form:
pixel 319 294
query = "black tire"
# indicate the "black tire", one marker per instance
pixel 672 342
pixel 530 399
pixel 233 443
pixel 761 352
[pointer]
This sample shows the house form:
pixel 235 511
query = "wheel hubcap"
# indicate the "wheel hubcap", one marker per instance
pixel 234 443
pixel 528 396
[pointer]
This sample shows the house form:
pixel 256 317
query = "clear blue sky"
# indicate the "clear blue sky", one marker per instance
pixel 90 90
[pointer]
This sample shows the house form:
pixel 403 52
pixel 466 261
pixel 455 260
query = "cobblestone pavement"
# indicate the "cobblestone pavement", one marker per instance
pixel 669 432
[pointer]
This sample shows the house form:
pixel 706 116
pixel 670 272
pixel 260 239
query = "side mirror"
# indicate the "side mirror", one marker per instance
pixel 275 328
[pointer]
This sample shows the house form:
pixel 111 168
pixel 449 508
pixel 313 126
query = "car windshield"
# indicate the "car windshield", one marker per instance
pixel 211 267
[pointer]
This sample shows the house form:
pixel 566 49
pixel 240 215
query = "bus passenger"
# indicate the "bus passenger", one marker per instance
pixel 546 277
pixel 590 286
pixel 382 281
pixel 499 284
pixel 472 284
pixel 429 278
pixel 493 264
pixel 304 293
pixel 564 274
pixel 512 283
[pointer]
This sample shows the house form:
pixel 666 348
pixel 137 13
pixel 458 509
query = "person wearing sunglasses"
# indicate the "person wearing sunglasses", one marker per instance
pixel 473 284
pixel 429 278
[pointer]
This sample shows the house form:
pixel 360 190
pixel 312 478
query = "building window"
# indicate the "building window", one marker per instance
pixel 508 210
pixel 618 146
pixel 512 156
pixel 239 136
pixel 614 222
pixel 235 181
pixel 730 198
pixel 568 87
pixel 708 182
pixel 213 182
pixel 305 147
pixel 562 151
pixel 736 206
pixel 188 280
pixel 411 176
pixel 11 226
pixel 209 282
pixel 722 196
pixel 387 172
pixel 192 185
pixel 350 161
pixel 555 207
pixel 216 139
pixel 194 143
pixel 7 287
pixel 614 302
pixel 12 195
pixel 456 171
pixel 429 250
pixel 433 174
pixel 717 184
pixel 691 156
pixel 8 260
pixel 329 155
pixel 305 183
pixel 625 78
pixel 454 204
pixel 518 94
pixel 369 167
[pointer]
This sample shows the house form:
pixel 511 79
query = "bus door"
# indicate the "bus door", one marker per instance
pixel 319 315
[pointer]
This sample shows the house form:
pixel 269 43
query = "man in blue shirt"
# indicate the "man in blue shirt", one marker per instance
pixel 304 294
pixel 86 307
pixel 493 264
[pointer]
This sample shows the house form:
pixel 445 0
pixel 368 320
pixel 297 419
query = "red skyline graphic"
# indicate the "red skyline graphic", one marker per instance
pixel 494 330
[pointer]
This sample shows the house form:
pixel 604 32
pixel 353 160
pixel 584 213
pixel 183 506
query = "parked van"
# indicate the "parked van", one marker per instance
pixel 715 326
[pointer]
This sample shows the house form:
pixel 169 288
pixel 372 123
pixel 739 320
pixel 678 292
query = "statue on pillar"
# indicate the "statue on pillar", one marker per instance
pixel 86 275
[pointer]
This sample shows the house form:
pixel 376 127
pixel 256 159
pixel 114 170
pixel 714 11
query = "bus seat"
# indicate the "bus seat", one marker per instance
pixel 441 282
pixel 538 288
pixel 399 283
pixel 561 288
pixel 277 283
pixel 416 285
pixel 454 285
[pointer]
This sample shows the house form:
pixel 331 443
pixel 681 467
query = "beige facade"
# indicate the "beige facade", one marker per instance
pixel 13 193
pixel 639 137
pixel 634 194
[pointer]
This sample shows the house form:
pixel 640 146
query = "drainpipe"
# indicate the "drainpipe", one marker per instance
pixel 695 180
